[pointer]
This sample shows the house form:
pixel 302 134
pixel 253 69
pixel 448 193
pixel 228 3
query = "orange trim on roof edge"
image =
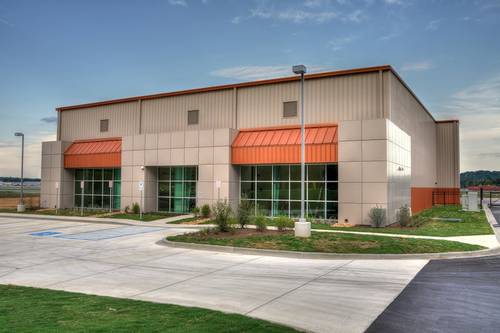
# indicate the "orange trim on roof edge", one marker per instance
pixel 231 86
pixel 98 139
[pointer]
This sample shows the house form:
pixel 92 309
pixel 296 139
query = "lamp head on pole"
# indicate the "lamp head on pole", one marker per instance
pixel 299 69
pixel 19 134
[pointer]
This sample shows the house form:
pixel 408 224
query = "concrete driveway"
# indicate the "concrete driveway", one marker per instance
pixel 125 261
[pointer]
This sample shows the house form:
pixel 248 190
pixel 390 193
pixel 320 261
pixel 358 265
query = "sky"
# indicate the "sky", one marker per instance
pixel 65 52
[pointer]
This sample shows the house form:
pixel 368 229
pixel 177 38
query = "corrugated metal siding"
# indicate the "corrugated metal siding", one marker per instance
pixel 411 117
pixel 85 123
pixel 448 155
pixel 351 97
pixel 170 113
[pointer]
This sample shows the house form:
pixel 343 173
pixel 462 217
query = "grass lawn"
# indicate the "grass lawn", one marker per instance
pixel 24 309
pixel 146 217
pixel 324 242
pixel 473 223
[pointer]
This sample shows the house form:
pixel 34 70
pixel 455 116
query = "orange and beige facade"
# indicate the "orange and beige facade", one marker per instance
pixel 369 142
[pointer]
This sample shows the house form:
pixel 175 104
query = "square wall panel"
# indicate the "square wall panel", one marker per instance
pixel 349 130
pixel 191 139
pixel 374 129
pixel 206 138
pixel 350 192
pixel 375 150
pixel 349 151
pixel 151 141
pixel 164 156
pixel 350 171
pixel 375 193
pixel 164 140
pixel 375 171
pixel 352 212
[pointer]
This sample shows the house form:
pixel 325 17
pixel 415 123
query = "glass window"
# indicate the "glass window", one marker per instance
pixel 247 173
pixel 97 188
pixel 281 190
pixel 331 210
pixel 108 174
pixel 163 204
pixel 78 190
pixel 316 191
pixel 163 173
pixel 190 173
pixel 295 173
pixel 78 201
pixel 98 174
pixel 281 172
pixel 79 174
pixel 87 188
pixel 332 172
pixel 332 191
pixel 295 208
pixel 294 191
pixel 248 190
pixel 176 205
pixel 315 172
pixel 264 191
pixel 116 202
pixel 280 208
pixel 105 201
pixel 190 189
pixel 117 174
pixel 164 189
pixel 316 209
pixel 264 173
pixel 177 173
pixel 88 174
pixel 264 207
pixel 117 188
pixel 87 201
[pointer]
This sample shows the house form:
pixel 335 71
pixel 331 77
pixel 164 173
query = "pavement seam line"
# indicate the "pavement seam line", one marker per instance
pixel 196 276
pixel 298 287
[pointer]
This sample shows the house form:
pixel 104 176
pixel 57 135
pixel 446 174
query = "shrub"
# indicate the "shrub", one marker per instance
pixel 127 209
pixel 136 209
pixel 245 213
pixel 377 216
pixel 283 222
pixel 417 220
pixel 403 216
pixel 205 211
pixel 196 211
pixel 222 213
pixel 260 222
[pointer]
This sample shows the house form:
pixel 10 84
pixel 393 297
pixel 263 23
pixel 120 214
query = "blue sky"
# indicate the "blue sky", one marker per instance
pixel 56 53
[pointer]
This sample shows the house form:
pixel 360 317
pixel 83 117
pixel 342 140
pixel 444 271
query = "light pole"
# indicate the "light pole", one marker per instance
pixel 20 206
pixel 302 227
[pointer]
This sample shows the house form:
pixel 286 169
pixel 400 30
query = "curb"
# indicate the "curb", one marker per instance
pixel 326 256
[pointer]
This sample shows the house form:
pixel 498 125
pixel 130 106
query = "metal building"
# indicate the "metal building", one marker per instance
pixel 369 142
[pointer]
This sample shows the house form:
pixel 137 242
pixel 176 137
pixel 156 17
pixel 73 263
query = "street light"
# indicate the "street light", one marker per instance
pixel 20 206
pixel 302 227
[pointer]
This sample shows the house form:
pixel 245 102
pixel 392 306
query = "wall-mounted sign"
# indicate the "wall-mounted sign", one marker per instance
pixel 141 186
pixel 82 183
pixel 110 184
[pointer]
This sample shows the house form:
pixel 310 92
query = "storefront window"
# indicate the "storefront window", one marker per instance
pixel 275 190
pixel 177 189
pixel 96 192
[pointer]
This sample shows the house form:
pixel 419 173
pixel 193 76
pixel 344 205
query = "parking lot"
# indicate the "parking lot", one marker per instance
pixel 126 261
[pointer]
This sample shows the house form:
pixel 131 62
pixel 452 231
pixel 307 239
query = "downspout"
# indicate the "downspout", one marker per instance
pixel 58 137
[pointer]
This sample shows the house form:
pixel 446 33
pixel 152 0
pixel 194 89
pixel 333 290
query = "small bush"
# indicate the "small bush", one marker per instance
pixel 283 222
pixel 136 209
pixel 222 213
pixel 403 216
pixel 377 216
pixel 245 213
pixel 260 222
pixel 417 220
pixel 205 211
pixel 196 211
pixel 127 209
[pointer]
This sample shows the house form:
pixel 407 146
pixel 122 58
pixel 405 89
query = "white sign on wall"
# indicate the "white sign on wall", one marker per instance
pixel 218 183
pixel 57 185
pixel 141 186
pixel 82 183
pixel 110 184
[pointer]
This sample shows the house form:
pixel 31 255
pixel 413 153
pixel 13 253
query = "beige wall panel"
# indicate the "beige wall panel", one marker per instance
pixel 170 113
pixel 448 155
pixel 351 97
pixel 85 123
pixel 411 117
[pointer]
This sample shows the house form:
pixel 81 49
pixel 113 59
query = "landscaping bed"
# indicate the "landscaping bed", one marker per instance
pixel 322 242
pixel 146 217
pixel 60 212
pixel 24 309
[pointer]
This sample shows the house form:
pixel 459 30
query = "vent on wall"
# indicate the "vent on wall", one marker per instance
pixel 104 125
pixel 193 116
pixel 290 109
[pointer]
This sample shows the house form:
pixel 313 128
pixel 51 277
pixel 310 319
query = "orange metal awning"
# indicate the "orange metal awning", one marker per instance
pixel 98 153
pixel 280 145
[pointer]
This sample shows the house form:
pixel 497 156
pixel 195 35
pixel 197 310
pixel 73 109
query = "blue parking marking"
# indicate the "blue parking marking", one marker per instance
pixel 109 233
pixel 45 233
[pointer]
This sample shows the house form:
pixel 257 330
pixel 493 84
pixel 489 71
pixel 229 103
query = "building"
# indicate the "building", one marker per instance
pixel 369 142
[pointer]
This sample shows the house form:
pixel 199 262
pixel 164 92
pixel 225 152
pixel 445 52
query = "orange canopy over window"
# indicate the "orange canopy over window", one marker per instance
pixel 280 145
pixel 98 153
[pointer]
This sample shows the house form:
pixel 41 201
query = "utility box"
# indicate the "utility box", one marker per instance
pixel 473 202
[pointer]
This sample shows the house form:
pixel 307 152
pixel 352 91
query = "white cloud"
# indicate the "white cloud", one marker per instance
pixel 10 155
pixel 311 11
pixel 433 25
pixel 261 72
pixel 4 21
pixel 478 108
pixel 417 66
pixel 236 20
pixel 394 2
pixel 339 43
pixel 178 3
pixel 390 36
